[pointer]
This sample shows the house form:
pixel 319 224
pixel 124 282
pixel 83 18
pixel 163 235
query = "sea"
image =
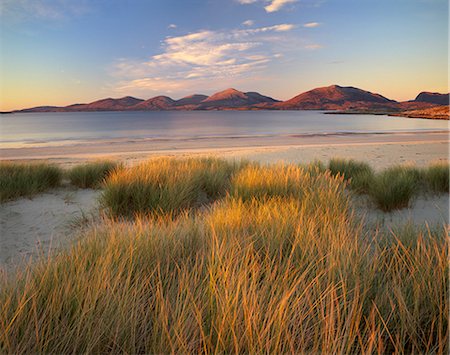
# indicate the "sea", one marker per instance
pixel 66 128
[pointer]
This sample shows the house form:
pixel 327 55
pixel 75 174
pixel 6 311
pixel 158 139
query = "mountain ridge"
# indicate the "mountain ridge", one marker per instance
pixel 333 97
pixel 433 97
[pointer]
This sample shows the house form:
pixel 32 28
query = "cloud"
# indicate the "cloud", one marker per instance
pixel 272 5
pixel 311 24
pixel 201 58
pixel 284 27
pixel 314 46
pixel 172 26
pixel 248 23
pixel 42 9
pixel 276 5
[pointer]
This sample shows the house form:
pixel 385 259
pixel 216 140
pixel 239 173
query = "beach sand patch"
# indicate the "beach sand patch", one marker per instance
pixel 47 221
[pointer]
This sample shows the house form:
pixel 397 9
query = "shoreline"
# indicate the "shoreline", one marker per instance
pixel 384 149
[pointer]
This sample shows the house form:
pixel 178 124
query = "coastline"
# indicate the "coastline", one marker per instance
pixel 383 149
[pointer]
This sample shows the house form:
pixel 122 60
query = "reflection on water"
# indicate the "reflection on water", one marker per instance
pixel 42 129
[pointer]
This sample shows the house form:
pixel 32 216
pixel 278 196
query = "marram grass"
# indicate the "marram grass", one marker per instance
pixel 437 177
pixel 245 277
pixel 359 174
pixel 277 263
pixel 166 186
pixel 20 179
pixel 91 175
pixel 262 182
pixel 395 187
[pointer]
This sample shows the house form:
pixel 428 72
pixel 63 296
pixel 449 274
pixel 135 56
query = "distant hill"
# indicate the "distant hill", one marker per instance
pixel 234 98
pixel 436 113
pixel 107 104
pixel 336 97
pixel 41 109
pixel 191 100
pixel 157 103
pixel 433 98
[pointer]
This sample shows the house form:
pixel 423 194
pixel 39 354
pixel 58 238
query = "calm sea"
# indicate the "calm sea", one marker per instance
pixel 42 129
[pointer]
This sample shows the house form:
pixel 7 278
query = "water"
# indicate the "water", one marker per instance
pixel 44 129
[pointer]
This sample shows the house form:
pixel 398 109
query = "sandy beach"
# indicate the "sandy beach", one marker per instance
pixel 380 150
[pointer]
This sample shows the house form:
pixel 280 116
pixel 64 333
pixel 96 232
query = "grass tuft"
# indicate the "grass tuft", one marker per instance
pixel 18 179
pixel 359 174
pixel 166 186
pixel 394 187
pixel 262 182
pixel 91 175
pixel 437 177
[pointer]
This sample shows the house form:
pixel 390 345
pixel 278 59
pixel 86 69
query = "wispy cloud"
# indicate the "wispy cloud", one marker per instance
pixel 245 2
pixel 311 24
pixel 201 58
pixel 172 26
pixel 248 23
pixel 276 5
pixel 42 9
pixel 314 46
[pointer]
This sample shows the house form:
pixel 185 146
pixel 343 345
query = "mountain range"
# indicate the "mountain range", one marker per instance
pixel 332 97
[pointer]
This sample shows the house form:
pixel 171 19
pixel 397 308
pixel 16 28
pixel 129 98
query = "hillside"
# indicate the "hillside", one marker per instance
pixel 336 97
pixel 234 98
pixel 154 104
pixel 435 113
pixel 433 98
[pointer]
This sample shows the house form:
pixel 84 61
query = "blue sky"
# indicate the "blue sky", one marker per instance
pixel 56 52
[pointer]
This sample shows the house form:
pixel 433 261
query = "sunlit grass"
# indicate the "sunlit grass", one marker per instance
pixel 275 261
pixel 249 277
pixel 17 179
pixel 165 186
pixel 91 175
pixel 260 182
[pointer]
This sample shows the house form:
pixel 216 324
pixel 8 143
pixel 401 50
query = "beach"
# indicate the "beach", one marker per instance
pixel 47 220
pixel 380 150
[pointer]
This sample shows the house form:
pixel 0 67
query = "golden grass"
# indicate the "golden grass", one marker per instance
pixel 17 179
pixel 254 181
pixel 166 186
pixel 268 268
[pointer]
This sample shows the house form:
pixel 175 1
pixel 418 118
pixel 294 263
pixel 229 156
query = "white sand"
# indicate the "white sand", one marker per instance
pixel 430 210
pixel 45 222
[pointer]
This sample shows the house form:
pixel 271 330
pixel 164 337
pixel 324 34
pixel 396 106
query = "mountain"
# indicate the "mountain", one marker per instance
pixel 157 103
pixel 108 104
pixel 433 98
pixel 336 97
pixel 232 98
pixel 41 109
pixel 191 100
pixel 414 105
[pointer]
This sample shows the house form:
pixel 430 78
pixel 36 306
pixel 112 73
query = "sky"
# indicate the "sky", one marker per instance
pixel 59 52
